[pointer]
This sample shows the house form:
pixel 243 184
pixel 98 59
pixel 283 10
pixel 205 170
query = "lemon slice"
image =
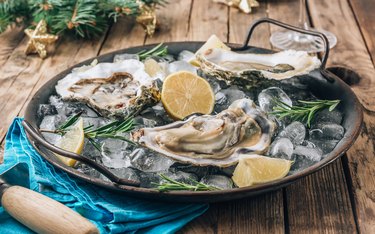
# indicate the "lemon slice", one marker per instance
pixel 185 93
pixel 212 43
pixel 255 169
pixel 72 141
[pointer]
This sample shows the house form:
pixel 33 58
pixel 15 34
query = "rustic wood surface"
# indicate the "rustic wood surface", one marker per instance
pixel 338 199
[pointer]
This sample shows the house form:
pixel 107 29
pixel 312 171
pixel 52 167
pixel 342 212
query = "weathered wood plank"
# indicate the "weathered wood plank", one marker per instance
pixel 125 33
pixel 305 212
pixel 174 24
pixel 208 18
pixel 364 13
pixel 320 203
pixel 239 24
pixel 262 214
pixel 351 52
pixel 9 40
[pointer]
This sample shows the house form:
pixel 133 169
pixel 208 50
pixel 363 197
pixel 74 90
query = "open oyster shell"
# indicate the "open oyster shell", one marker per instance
pixel 217 140
pixel 112 89
pixel 228 65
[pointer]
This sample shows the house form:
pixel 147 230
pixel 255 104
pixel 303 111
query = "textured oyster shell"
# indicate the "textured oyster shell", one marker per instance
pixel 228 65
pixel 112 89
pixel 217 140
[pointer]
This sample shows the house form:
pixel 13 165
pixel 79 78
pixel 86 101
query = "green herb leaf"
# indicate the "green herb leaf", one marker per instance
pixel 173 185
pixel 158 50
pixel 304 112
pixel 70 121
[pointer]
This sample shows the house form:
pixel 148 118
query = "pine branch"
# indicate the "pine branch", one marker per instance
pixel 83 17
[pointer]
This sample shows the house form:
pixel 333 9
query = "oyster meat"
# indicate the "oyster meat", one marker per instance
pixel 228 65
pixel 112 89
pixel 217 140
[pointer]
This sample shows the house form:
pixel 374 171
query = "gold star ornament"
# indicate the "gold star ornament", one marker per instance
pixel 244 5
pixel 39 39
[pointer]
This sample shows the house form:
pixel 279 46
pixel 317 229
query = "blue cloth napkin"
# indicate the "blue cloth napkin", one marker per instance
pixel 110 212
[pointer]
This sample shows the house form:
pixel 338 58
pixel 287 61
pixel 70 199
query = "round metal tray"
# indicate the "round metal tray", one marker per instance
pixel 321 83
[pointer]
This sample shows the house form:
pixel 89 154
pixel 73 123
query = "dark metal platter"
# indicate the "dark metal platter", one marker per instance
pixel 321 83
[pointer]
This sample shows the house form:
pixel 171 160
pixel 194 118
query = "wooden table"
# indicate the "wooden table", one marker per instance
pixel 340 198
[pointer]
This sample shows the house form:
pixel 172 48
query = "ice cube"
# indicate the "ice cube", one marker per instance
pixel 326 145
pixel 88 171
pixel 214 83
pixel 95 122
pixel 218 181
pixel 181 66
pixel 220 98
pixel 123 173
pixel 46 109
pixel 181 176
pixel 50 122
pixel 56 101
pixel 313 154
pixel 267 97
pixel 197 170
pixel 185 55
pixel 150 179
pixel 148 161
pixel 90 151
pixel 122 57
pixel 114 153
pixel 300 163
pixel 326 116
pixel 228 96
pixel 295 131
pixel 281 148
pixel 327 131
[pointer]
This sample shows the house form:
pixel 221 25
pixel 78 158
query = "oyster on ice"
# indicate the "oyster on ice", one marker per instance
pixel 217 140
pixel 112 89
pixel 228 65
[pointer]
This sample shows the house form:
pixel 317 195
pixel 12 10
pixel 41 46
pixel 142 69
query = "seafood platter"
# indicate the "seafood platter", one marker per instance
pixel 195 121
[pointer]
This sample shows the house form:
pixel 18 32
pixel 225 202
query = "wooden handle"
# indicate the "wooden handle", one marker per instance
pixel 42 214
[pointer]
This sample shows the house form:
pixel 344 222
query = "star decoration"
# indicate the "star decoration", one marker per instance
pixel 147 18
pixel 244 5
pixel 39 39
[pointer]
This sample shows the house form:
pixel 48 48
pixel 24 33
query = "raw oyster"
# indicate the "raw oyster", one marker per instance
pixel 112 89
pixel 212 139
pixel 228 65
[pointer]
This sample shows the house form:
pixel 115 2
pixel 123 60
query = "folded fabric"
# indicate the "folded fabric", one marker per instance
pixel 110 212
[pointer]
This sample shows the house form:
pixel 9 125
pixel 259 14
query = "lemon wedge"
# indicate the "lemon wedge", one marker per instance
pixel 73 141
pixel 256 169
pixel 185 93
pixel 212 43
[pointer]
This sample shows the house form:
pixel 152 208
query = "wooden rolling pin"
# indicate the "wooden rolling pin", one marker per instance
pixel 42 214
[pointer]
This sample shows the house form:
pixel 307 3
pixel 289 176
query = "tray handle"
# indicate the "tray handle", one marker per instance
pixel 40 139
pixel 290 27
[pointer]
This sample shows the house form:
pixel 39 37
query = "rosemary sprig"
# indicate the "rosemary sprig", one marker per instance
pixel 110 130
pixel 304 112
pixel 158 50
pixel 173 185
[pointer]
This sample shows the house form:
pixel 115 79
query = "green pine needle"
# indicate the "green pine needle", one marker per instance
pixel 304 112
pixel 173 185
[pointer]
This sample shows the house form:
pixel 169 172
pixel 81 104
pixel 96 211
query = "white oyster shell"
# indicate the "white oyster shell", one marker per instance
pixel 217 140
pixel 121 88
pixel 227 65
